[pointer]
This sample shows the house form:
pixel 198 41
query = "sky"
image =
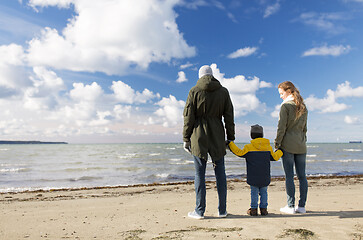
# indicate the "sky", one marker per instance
pixel 119 71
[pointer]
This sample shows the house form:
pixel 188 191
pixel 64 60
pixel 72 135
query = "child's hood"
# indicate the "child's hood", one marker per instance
pixel 261 144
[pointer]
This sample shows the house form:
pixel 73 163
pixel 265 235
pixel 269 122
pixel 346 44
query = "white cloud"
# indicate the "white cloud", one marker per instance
pixel 88 93
pixel 272 9
pixel 181 77
pixel 170 111
pixel 12 54
pixel 83 107
pixel 243 52
pixel 44 108
pixel 245 103
pixel 345 90
pixel 145 96
pixel 110 36
pixel 276 112
pixel 351 120
pixel 101 119
pixel 329 103
pixel 47 79
pixel 325 105
pixel 45 3
pixel 242 91
pixel 328 22
pixel 334 50
pixel 125 94
pixel 44 92
pixel 187 65
pixel 122 112
pixel 264 84
pixel 13 76
pixel 194 4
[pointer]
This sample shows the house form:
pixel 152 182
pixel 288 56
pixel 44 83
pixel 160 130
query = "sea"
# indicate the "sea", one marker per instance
pixel 30 167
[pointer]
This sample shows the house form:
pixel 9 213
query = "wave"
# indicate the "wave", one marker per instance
pixel 11 164
pixel 185 162
pixel 351 160
pixel 127 155
pixel 311 155
pixel 330 160
pixel 162 175
pixel 312 146
pixel 154 154
pixel 15 170
pixel 85 178
pixel 84 169
pixel 352 150
pixel 4 149
pixel 130 169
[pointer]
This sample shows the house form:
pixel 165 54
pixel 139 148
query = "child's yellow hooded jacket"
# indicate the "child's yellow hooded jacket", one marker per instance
pixel 258 155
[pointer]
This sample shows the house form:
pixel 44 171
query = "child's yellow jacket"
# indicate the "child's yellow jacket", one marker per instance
pixel 258 155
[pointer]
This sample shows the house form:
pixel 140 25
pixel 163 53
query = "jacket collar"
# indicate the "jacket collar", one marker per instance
pixel 288 99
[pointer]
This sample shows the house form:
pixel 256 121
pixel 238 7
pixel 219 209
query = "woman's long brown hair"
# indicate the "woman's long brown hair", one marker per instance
pixel 299 101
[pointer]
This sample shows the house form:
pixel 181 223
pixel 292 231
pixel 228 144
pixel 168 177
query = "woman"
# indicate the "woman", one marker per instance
pixel 291 139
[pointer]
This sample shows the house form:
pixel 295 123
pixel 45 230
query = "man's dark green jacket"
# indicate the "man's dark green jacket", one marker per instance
pixel 208 101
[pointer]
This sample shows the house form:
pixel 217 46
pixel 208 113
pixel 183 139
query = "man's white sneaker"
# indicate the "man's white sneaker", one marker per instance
pixel 222 215
pixel 300 210
pixel 195 215
pixel 288 210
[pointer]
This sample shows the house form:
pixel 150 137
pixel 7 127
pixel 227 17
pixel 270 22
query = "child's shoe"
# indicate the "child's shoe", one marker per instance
pixel 263 211
pixel 252 211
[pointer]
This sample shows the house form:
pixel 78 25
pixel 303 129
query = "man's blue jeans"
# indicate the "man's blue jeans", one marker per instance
pixel 200 189
pixel 255 191
pixel 288 162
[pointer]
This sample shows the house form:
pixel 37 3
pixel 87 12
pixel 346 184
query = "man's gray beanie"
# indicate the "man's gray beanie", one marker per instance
pixel 205 70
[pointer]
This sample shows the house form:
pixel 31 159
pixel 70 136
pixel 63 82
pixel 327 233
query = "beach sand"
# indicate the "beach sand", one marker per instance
pixel 334 211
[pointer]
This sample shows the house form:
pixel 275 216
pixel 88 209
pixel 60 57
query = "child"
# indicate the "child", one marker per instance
pixel 258 155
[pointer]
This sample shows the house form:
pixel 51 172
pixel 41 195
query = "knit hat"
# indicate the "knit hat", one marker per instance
pixel 257 129
pixel 205 70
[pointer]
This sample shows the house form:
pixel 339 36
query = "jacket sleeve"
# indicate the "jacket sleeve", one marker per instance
pixel 189 118
pixel 281 126
pixel 305 128
pixel 275 156
pixel 228 116
pixel 237 151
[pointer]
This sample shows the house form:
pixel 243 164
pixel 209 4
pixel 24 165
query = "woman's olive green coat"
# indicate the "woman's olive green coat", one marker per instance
pixel 291 132
pixel 208 101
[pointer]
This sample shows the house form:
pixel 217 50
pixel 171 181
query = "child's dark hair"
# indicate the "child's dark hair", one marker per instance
pixel 256 131
pixel 256 135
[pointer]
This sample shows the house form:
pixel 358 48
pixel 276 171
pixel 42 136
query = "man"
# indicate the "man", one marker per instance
pixel 203 133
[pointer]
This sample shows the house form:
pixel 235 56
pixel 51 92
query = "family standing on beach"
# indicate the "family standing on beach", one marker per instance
pixel 205 134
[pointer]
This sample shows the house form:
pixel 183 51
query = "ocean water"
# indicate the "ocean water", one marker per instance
pixel 33 167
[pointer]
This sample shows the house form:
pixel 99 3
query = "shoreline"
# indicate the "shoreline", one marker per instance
pixel 237 180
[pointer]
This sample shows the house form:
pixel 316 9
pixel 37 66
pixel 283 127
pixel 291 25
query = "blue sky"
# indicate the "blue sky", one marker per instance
pixel 112 71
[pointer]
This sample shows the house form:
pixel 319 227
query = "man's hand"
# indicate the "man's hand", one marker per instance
pixel 186 147
pixel 227 144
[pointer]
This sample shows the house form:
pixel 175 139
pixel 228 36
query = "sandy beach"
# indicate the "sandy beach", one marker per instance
pixel 334 211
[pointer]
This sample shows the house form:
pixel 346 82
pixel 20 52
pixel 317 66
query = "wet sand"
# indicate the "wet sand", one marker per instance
pixel 158 211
